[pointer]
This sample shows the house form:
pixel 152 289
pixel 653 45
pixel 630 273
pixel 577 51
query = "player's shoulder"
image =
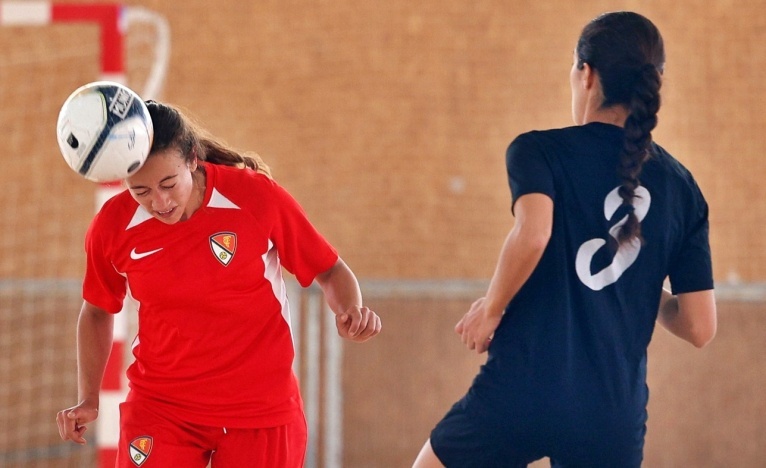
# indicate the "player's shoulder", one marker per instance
pixel 552 133
pixel 663 157
pixel 674 168
pixel 546 137
pixel 525 141
pixel 537 143
pixel 666 173
pixel 244 187
pixel 530 136
pixel 244 178
pixel 116 211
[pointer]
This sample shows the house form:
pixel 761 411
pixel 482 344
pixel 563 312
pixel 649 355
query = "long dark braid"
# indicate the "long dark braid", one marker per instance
pixel 627 52
pixel 637 146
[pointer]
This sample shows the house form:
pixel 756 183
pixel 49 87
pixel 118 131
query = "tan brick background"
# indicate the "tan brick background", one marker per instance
pixel 388 121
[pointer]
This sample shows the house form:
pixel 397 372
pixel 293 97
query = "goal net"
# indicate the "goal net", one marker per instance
pixel 48 51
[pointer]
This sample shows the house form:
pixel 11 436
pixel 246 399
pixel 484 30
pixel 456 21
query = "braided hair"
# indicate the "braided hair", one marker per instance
pixel 627 52
pixel 173 129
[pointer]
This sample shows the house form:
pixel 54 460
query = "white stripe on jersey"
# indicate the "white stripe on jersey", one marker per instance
pixel 273 273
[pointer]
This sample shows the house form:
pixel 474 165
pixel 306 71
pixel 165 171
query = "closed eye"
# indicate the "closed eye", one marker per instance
pixel 143 193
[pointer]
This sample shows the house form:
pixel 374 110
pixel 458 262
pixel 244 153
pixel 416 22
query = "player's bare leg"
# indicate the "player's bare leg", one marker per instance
pixel 427 458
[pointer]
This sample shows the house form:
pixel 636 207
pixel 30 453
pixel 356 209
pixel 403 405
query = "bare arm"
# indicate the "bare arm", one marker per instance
pixel 522 250
pixel 689 316
pixel 94 343
pixel 518 258
pixel 343 295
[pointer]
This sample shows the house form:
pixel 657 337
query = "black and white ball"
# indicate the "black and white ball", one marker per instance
pixel 104 131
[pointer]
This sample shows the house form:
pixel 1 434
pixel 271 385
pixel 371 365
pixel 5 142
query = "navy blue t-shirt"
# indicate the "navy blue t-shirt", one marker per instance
pixel 570 352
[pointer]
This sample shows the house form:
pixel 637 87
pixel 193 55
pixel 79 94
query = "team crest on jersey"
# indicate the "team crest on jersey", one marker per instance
pixel 223 245
pixel 139 449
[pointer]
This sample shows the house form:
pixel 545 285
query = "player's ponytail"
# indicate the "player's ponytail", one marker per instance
pixel 217 153
pixel 627 52
pixel 173 129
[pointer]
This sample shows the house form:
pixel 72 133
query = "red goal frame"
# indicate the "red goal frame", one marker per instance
pixel 109 19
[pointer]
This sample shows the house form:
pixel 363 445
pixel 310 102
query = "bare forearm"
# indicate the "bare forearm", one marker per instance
pixel 521 251
pixel 340 287
pixel 94 343
pixel 667 315
pixel 341 290
pixel 692 320
pixel 518 258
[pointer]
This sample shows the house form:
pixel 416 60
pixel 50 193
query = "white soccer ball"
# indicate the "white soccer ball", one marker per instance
pixel 104 131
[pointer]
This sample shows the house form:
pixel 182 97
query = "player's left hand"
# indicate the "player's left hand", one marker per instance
pixel 477 327
pixel 358 324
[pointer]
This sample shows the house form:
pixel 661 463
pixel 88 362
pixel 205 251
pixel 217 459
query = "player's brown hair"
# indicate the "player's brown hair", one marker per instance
pixel 627 52
pixel 174 129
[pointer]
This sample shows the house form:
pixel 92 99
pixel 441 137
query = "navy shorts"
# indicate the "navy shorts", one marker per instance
pixel 473 434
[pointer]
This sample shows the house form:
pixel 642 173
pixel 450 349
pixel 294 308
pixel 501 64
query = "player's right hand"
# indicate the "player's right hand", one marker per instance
pixel 71 421
pixel 477 326
pixel 358 324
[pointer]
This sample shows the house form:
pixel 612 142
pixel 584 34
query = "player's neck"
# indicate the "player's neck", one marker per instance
pixel 197 197
pixel 614 115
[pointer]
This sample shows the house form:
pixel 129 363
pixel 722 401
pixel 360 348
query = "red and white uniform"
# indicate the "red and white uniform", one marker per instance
pixel 214 339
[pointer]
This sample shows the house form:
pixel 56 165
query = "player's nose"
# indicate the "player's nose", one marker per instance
pixel 160 201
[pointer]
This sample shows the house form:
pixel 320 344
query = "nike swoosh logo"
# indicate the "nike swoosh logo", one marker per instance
pixel 137 256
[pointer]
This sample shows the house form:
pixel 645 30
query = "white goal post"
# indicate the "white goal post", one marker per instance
pixel 114 22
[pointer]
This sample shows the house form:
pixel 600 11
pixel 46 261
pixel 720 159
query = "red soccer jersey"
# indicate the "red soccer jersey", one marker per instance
pixel 214 337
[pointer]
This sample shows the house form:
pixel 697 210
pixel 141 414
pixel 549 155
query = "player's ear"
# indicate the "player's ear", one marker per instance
pixel 588 76
pixel 193 164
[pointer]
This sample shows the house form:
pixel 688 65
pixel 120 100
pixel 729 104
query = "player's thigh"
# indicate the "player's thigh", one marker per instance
pixel 151 437
pixel 470 437
pixel 282 446
pixel 427 458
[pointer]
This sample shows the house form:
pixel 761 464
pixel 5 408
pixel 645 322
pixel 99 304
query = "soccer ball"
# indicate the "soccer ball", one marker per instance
pixel 104 131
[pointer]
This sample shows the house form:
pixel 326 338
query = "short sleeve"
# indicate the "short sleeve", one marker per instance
pixel 528 169
pixel 103 286
pixel 303 251
pixel 692 268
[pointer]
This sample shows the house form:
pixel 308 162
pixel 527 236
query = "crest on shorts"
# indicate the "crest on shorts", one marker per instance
pixel 223 245
pixel 139 449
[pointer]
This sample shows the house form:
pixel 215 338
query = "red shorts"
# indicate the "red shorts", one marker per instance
pixel 151 437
